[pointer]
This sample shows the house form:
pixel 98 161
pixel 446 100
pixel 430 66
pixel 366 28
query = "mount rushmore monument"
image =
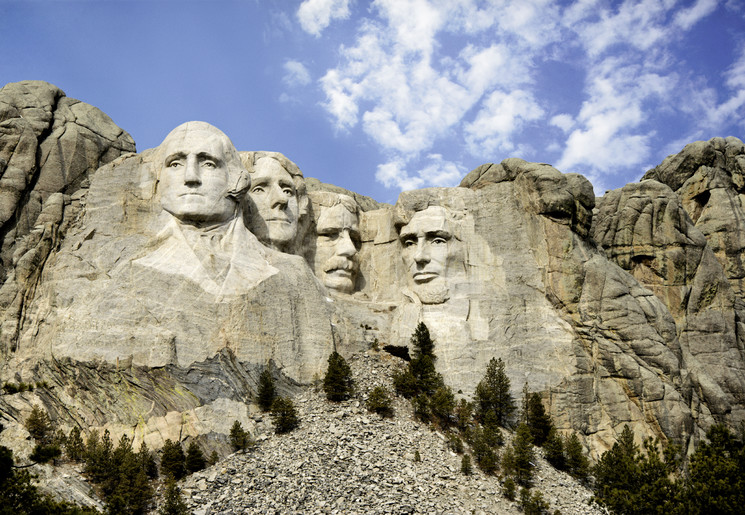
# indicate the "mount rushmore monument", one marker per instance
pixel 148 291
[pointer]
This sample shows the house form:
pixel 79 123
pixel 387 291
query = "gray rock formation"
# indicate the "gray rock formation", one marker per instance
pixel 151 292
pixel 49 146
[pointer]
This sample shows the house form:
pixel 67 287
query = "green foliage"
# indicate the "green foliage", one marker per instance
pixel 11 388
pixel 509 488
pixel 266 391
pixel 533 504
pixel 146 461
pixel 239 438
pixel 39 425
pixel 379 401
pixel 173 504
pixel 74 446
pixel 284 415
pixel 417 457
pixel 214 458
pixel 338 383
pixel 537 420
pixel 465 465
pixel 554 450
pixel 717 474
pixel 44 453
pixel 98 456
pixel 421 407
pixel 421 377
pixel 19 496
pixel 483 441
pixel 522 448
pixel 422 342
pixel 442 405
pixel 576 462
pixel 463 414
pixel 405 383
pixel 194 458
pixel 173 460
pixel 628 481
pixel 454 442
pixel 493 394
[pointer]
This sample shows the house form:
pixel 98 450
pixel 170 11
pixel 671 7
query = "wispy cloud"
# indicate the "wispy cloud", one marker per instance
pixel 316 15
pixel 296 74
pixel 427 78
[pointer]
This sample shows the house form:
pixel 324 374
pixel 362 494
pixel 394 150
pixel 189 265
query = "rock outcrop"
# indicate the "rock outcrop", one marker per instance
pixel 136 304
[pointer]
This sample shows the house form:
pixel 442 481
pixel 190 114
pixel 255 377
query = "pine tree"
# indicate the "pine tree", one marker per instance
pixel 509 488
pixel 717 474
pixel 266 391
pixel 379 401
pixel 577 463
pixel 442 405
pixel 493 394
pixel 74 446
pixel 39 425
pixel 173 460
pixel 284 415
pixel 338 383
pixel 465 465
pixel 194 458
pixel 537 420
pixel 146 461
pixel 239 438
pixel 173 504
pixel 617 475
pixel 422 366
pixel 523 455
pixel 554 449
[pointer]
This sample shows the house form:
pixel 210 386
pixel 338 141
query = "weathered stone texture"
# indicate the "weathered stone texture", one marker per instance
pixel 49 145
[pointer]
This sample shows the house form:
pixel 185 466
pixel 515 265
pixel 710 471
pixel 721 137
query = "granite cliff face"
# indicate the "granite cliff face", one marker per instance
pixel 140 306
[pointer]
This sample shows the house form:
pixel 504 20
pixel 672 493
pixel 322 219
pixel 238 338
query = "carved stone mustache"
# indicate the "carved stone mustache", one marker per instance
pixel 339 263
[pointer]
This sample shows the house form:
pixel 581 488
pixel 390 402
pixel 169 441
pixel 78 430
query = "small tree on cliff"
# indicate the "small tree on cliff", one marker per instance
pixel 266 392
pixel 493 398
pixel 338 383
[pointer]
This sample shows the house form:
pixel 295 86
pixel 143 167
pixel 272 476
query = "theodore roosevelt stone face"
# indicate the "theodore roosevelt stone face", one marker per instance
pixel 431 254
pixel 195 175
pixel 337 243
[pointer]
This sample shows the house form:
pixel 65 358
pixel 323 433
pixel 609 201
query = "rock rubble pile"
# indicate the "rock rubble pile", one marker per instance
pixel 344 459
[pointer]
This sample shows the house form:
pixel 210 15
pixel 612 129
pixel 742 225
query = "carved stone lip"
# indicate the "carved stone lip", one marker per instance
pixel 277 219
pixel 339 272
pixel 424 277
pixel 190 193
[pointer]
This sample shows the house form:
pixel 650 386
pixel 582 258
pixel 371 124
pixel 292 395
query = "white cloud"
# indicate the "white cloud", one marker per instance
pixel 296 74
pixel 687 18
pixel 500 116
pixel 466 74
pixel 563 121
pixel 316 15
pixel 435 171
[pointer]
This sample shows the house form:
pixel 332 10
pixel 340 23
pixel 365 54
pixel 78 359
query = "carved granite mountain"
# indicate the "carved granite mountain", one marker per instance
pixel 139 306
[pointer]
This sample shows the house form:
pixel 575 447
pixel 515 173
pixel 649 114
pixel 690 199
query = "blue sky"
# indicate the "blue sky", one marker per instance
pixel 384 95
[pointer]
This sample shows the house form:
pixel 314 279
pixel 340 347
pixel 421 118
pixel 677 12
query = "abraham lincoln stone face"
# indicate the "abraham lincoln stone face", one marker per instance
pixel 431 253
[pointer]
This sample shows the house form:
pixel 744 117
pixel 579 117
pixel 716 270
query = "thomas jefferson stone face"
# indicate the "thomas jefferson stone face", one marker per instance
pixel 338 241
pixel 431 254
pixel 194 178
pixel 275 217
